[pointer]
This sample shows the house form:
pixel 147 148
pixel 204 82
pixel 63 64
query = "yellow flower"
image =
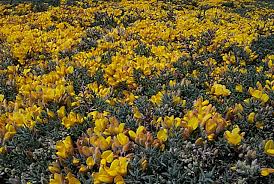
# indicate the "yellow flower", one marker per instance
pixel 64 148
pixel 132 134
pixel 239 88
pixel 57 179
pixel 206 102
pixel 2 150
pixel 83 169
pixel 62 2
pixel 251 117
pixel 210 137
pixel 119 180
pixel 266 171
pixel 177 99
pixel 71 179
pixel 220 90
pixel 26 71
pixel 193 122
pixel 129 97
pixel 258 94
pixel 10 131
pixel 2 97
pixel 102 177
pixel 121 128
pixel 117 167
pixel 234 137
pixel 90 162
pixel 168 121
pixel 140 129
pixel 69 70
pixel 75 161
pixel 162 135
pixel 103 143
pixel 100 125
pixel 54 168
pixel 123 161
pixel 172 83
pixel 122 138
pixel 114 168
pixel 157 99
pixel 137 113
pixel 61 112
pixel 210 127
pixel 71 120
pixel 50 113
pixel 178 122
pixel 247 101
pixel 108 156
pixel 238 108
pixel 206 118
pixel 269 148
pixel 255 93
pixel 264 98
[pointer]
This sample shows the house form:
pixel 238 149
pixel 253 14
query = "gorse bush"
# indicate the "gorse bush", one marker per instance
pixel 136 91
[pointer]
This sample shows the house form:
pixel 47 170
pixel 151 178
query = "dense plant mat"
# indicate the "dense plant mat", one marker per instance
pixel 136 91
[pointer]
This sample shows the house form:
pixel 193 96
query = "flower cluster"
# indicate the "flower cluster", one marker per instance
pixel 136 91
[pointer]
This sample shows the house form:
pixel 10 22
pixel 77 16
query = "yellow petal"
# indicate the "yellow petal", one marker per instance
pixel 114 168
pixel 236 130
pixel 266 171
pixel 211 137
pixel 50 113
pixel 119 180
pixel 251 117
pixel 83 168
pixel 137 113
pixel 210 127
pixel 193 122
pixel 90 162
pixel 105 178
pixel 233 138
pixel 132 134
pixel 264 98
pixel 123 161
pixel 57 179
pixel 68 143
pixel 162 135
pixel 70 69
pixel 108 155
pixel 270 152
pixel 1 97
pixel 239 88
pixel 140 129
pixel 54 169
pixel 269 147
pixel 256 93
pixel 71 179
pixel 103 143
pixel 75 160
pixel 2 150
pixel 206 117
pixel 122 138
pixel 121 127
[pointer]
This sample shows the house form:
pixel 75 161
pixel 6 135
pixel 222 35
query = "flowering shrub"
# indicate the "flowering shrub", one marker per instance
pixel 97 91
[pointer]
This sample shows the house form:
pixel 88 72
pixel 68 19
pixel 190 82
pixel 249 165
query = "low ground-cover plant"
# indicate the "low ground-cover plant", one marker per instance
pixel 136 91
